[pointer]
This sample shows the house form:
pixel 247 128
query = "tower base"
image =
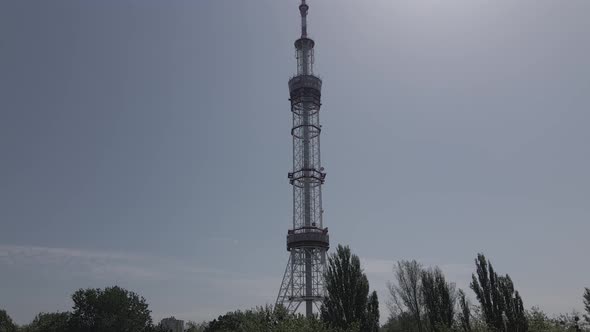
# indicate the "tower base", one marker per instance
pixel 303 280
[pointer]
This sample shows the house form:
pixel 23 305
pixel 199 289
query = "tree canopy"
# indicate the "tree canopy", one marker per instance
pixel 465 314
pixel 265 319
pixel 501 304
pixel 111 309
pixel 347 291
pixel 6 323
pixel 587 304
pixel 373 313
pixel 49 322
pixel 406 295
pixel 438 297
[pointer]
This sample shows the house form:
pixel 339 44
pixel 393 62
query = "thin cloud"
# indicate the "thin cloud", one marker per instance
pixel 99 264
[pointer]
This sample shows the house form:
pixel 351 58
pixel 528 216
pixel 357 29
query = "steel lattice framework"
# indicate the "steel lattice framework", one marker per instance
pixel 308 240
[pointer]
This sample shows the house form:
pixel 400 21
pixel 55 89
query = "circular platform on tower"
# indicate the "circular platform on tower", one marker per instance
pixel 305 82
pixel 308 237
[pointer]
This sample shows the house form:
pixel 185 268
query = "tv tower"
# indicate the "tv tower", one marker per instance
pixel 307 241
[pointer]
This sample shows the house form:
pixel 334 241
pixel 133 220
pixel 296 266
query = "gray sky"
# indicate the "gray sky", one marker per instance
pixel 146 144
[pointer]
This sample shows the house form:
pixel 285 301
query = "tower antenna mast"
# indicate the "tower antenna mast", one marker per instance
pixel 308 240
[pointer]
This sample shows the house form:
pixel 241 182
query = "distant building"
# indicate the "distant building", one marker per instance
pixel 172 324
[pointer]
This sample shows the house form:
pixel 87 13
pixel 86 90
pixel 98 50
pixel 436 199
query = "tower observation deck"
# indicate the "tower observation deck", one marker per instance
pixel 308 240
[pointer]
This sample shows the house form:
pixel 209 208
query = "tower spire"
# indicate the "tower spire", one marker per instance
pixel 303 8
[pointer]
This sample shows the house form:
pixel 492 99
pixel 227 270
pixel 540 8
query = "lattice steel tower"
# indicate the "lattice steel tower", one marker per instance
pixel 308 240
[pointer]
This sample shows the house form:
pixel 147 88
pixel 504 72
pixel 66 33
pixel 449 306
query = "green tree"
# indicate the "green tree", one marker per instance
pixel 49 322
pixel 501 304
pixel 373 313
pixel 406 295
pixel 514 313
pixel 235 321
pixel 266 319
pixel 539 322
pixel 587 304
pixel 402 322
pixel 465 315
pixel 347 287
pixel 485 288
pixel 569 322
pixel 195 327
pixel 113 309
pixel 438 297
pixel 6 323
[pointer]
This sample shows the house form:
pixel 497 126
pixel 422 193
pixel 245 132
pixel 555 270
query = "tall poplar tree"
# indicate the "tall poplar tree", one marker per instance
pixel 347 291
pixel 501 304
pixel 372 313
pixel 465 315
pixel 587 304
pixel 438 297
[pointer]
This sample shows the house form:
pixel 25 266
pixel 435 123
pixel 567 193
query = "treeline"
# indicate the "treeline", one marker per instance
pixel 94 310
pixel 421 299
